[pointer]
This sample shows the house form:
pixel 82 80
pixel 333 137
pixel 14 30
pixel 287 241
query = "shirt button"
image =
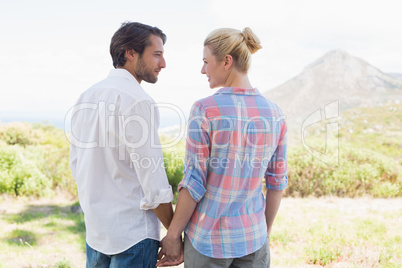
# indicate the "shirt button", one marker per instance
pixel 190 168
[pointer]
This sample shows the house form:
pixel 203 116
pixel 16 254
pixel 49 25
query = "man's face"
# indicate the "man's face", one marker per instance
pixel 151 62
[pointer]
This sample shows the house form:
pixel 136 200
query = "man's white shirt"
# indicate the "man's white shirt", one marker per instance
pixel 117 163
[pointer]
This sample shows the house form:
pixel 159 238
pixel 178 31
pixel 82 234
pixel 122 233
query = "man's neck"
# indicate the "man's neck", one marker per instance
pixel 131 71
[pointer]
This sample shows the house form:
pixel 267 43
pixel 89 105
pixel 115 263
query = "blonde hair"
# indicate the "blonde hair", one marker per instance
pixel 240 45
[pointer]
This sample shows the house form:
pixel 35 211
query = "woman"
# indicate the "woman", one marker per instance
pixel 235 137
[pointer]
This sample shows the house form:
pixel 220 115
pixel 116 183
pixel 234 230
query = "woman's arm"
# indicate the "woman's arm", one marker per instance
pixel 191 188
pixel 172 244
pixel 273 201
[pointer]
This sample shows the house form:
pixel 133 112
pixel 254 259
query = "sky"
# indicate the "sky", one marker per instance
pixel 52 51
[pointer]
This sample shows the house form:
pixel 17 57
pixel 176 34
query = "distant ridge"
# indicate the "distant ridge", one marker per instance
pixel 337 76
pixel 395 75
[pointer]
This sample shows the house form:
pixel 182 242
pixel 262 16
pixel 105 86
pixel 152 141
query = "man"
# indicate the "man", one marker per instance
pixel 115 158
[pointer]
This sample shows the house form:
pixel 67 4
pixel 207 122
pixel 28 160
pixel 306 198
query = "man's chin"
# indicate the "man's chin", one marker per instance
pixel 152 81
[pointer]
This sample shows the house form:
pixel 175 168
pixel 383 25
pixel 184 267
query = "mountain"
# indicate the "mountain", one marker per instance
pixel 395 75
pixel 336 78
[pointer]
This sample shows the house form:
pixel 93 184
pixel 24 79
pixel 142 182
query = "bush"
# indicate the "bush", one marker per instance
pixel 18 133
pixel 360 172
pixel 174 161
pixel 34 160
pixel 20 175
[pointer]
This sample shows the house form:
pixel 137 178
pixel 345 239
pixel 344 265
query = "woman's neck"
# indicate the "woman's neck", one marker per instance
pixel 237 79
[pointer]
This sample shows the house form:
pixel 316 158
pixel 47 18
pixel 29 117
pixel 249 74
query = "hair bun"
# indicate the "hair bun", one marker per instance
pixel 252 41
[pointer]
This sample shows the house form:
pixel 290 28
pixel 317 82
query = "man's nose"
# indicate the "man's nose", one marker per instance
pixel 162 64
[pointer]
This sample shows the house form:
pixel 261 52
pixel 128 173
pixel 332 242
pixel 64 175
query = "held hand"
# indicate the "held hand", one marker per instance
pixel 171 253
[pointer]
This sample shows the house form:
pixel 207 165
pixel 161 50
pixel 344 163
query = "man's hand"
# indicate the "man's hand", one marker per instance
pixel 171 253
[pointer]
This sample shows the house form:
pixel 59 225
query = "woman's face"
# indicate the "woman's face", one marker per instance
pixel 214 70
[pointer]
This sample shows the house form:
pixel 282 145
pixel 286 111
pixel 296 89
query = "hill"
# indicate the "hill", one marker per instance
pixel 337 81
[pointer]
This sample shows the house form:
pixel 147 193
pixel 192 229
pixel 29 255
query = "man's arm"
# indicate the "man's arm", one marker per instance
pixel 273 201
pixel 172 245
pixel 136 135
pixel 164 212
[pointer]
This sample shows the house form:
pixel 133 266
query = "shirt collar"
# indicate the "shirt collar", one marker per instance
pixel 122 73
pixel 238 91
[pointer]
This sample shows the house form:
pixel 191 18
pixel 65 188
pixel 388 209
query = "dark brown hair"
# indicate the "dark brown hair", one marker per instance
pixel 132 35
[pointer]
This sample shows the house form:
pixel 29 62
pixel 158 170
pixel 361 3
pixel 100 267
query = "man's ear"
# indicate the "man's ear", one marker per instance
pixel 131 54
pixel 228 62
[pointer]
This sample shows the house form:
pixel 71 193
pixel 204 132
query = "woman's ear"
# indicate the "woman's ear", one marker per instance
pixel 228 62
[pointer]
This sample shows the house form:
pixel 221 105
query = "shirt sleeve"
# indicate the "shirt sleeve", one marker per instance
pixel 73 160
pixel 276 174
pixel 197 153
pixel 140 135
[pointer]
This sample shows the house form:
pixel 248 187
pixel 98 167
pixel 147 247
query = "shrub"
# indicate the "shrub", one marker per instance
pixel 360 172
pixel 34 160
pixel 18 133
pixel 20 175
pixel 174 160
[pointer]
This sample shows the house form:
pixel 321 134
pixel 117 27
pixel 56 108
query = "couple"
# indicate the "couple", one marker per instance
pixel 235 138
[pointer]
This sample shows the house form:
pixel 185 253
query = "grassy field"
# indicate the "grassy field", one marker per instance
pixel 309 232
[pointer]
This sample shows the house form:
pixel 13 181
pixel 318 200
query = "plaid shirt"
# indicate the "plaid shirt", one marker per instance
pixel 235 138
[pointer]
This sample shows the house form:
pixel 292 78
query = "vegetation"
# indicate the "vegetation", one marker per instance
pixel 337 232
pixel 173 158
pixel 40 233
pixel 308 232
pixel 365 158
pixel 359 172
pixel 34 160
pixel 377 129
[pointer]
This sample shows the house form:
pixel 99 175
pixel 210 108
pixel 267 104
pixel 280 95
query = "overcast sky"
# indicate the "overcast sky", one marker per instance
pixel 51 51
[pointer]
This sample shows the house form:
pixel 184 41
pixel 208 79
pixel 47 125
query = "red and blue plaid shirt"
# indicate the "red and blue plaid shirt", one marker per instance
pixel 235 138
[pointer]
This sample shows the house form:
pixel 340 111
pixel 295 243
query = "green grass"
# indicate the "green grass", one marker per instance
pixel 41 235
pixel 308 232
pixel 375 128
pixel 63 264
pixel 344 232
pixel 22 237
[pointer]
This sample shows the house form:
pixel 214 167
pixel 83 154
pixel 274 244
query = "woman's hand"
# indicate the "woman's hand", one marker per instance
pixel 171 253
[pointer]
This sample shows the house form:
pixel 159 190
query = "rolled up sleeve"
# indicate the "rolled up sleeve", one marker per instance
pixel 193 182
pixel 160 197
pixel 143 145
pixel 197 153
pixel 276 174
